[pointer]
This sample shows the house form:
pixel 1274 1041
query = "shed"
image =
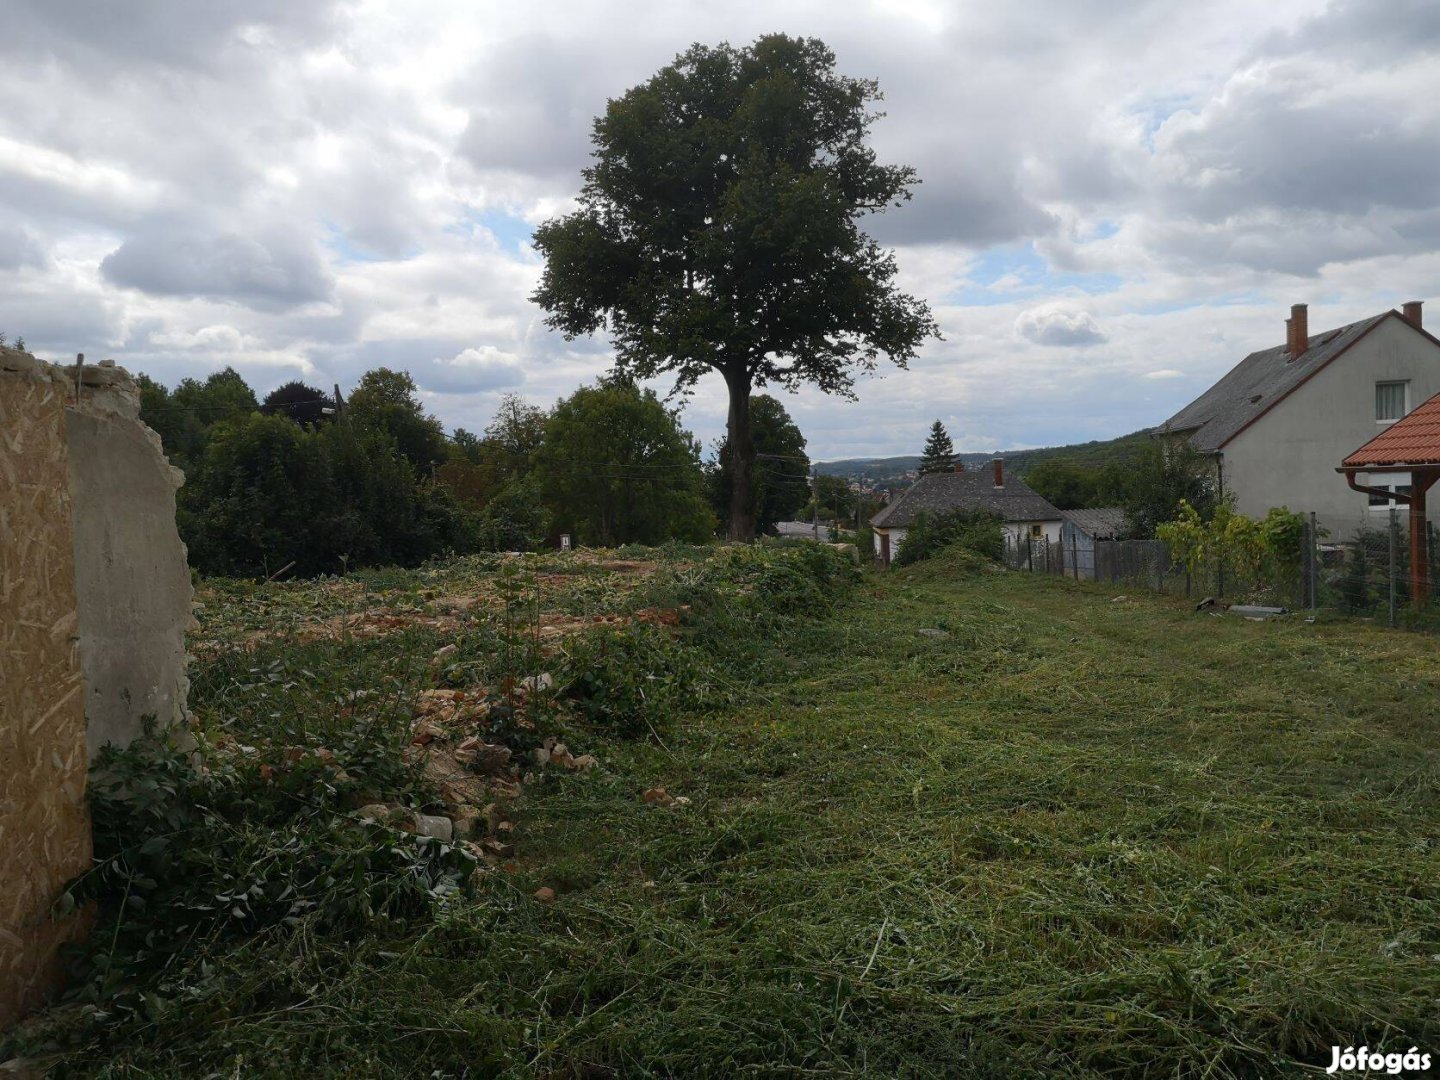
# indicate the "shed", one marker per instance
pixel 1079 529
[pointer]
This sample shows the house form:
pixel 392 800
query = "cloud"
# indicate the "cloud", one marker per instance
pixel 476 369
pixel 19 249
pixel 275 271
pixel 1058 326
pixel 315 189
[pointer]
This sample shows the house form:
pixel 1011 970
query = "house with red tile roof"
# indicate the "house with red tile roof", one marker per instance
pixel 1276 423
pixel 1408 448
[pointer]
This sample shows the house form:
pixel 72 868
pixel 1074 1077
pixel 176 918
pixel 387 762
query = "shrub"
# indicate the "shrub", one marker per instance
pixel 632 680
pixel 976 530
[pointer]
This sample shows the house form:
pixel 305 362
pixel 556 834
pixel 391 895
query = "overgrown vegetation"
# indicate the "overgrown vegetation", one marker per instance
pixel 975 530
pixel 1147 480
pixel 1257 553
pixel 1058 834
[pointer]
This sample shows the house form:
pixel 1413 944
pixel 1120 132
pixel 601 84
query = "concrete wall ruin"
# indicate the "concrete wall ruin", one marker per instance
pixel 94 602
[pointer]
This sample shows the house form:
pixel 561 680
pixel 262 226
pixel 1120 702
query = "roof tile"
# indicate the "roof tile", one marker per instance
pixel 1414 439
pixel 938 493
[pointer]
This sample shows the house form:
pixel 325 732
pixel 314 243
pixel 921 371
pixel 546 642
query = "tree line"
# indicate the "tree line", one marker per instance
pixel 318 483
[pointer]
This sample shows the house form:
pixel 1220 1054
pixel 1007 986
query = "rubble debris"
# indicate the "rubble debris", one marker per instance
pixel 435 827
pixel 1257 613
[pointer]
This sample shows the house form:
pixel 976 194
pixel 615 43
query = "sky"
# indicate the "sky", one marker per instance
pixel 1119 200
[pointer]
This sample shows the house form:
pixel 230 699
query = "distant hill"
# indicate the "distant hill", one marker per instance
pixel 893 470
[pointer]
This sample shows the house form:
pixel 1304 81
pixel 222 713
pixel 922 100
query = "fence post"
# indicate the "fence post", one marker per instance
pixel 1394 548
pixel 1314 551
pixel 1074 558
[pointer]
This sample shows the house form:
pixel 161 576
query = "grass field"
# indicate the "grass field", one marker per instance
pixel 1069 835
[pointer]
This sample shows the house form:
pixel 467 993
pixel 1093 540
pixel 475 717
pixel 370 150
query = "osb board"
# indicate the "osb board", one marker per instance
pixel 44 825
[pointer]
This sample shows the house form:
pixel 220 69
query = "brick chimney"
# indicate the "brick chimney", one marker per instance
pixel 959 466
pixel 1411 314
pixel 999 464
pixel 1299 329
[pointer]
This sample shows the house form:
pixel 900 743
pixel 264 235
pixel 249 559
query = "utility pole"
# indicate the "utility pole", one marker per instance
pixel 815 506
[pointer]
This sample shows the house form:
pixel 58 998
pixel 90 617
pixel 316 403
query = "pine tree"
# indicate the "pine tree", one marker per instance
pixel 939 455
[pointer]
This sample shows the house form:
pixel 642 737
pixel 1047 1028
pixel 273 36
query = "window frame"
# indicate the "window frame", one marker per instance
pixel 1404 385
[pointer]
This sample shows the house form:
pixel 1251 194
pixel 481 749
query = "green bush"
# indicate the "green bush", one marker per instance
pixel 633 680
pixel 976 530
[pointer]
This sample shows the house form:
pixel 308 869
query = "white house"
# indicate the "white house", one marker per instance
pixel 1279 420
pixel 1025 514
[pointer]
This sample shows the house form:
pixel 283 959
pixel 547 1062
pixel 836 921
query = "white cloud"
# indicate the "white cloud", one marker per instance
pixel 314 189
pixel 1058 326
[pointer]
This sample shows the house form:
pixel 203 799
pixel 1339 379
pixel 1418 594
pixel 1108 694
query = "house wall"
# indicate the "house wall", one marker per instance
pixel 897 537
pixel 1288 457
pixel 1018 531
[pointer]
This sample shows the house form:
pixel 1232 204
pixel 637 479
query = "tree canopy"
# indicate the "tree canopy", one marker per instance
pixel 718 231
pixel 306 405
pixel 389 401
pixel 616 468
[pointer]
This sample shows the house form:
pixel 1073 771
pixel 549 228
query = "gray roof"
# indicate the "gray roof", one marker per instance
pixel 940 492
pixel 1100 522
pixel 1252 386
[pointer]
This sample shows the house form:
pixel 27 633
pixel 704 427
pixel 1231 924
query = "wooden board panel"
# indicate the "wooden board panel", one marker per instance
pixel 44 825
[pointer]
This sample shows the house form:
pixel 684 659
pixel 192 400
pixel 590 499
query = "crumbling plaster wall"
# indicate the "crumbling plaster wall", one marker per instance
pixel 95 599
pixel 131 576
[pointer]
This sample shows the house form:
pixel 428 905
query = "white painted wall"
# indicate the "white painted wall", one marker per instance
pixel 1288 457
pixel 1019 531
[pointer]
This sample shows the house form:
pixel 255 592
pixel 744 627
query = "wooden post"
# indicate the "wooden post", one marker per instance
pixel 1390 571
pixel 1074 558
pixel 1420 482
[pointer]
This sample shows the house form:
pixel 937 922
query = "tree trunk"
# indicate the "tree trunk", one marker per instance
pixel 740 449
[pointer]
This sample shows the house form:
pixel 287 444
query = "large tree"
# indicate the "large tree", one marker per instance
pixel 781 478
pixel 939 453
pixel 718 231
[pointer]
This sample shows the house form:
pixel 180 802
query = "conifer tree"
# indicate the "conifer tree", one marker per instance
pixel 939 453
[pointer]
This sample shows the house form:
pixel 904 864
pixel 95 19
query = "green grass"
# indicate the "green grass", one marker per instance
pixel 1072 837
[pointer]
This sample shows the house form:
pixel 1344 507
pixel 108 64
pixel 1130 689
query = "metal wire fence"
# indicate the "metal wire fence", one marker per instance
pixel 1367 576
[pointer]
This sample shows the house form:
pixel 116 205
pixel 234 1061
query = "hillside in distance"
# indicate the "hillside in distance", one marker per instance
pixel 894 470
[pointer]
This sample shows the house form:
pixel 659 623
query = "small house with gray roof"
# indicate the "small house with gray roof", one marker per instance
pixel 1025 514
pixel 1277 422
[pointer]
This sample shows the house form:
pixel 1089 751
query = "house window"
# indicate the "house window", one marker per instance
pixel 1037 532
pixel 1385 502
pixel 1389 401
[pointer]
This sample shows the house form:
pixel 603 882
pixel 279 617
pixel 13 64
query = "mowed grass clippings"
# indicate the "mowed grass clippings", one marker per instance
pixel 1069 836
